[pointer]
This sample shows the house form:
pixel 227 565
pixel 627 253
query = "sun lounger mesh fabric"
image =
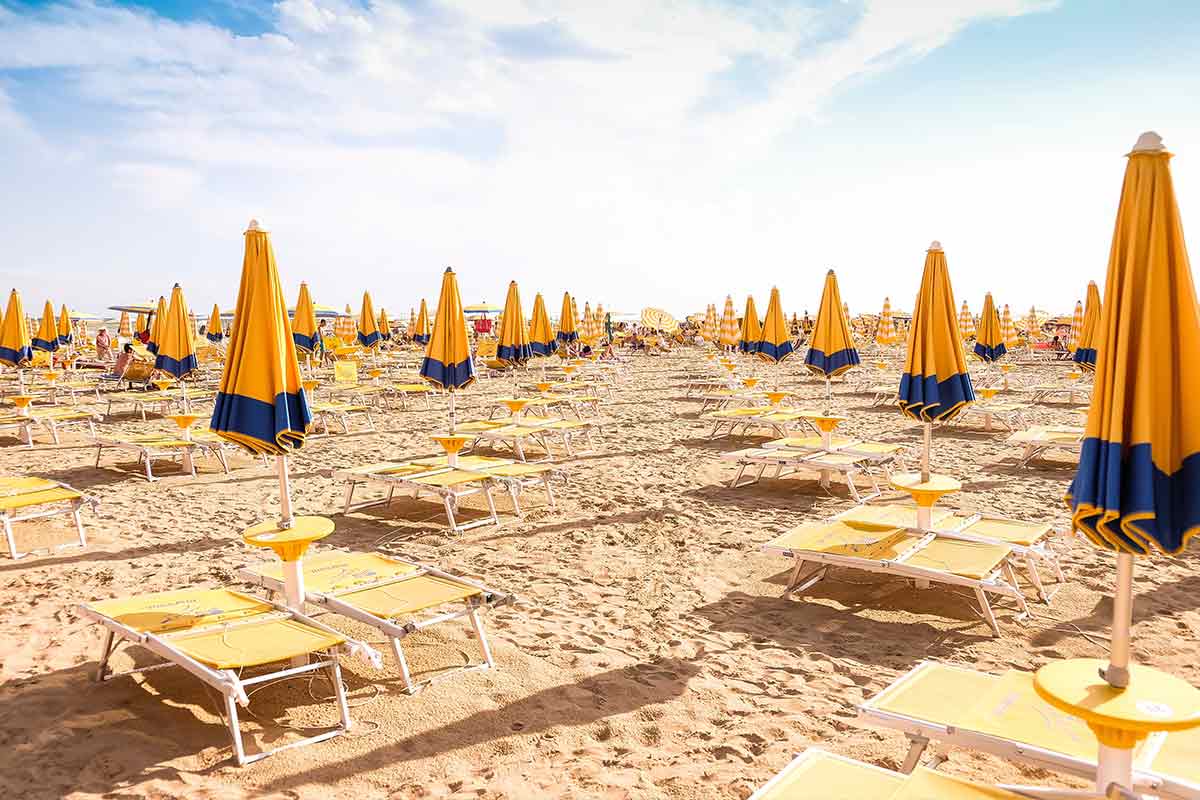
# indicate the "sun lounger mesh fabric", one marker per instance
pixel 968 559
pixel 837 779
pixel 23 492
pixel 180 609
pixel 256 642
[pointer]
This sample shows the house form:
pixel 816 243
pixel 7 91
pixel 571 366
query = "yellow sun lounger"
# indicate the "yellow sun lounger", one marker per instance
pixel 515 435
pixel 922 557
pixel 818 775
pixel 163 402
pixel 1011 416
pixel 341 412
pixel 789 461
pixel 1030 541
pixel 1056 392
pixel 406 391
pixel 1040 439
pixel 23 499
pixel 51 419
pixel 774 421
pixel 397 597
pixel 1003 715
pixel 218 635
pixel 152 446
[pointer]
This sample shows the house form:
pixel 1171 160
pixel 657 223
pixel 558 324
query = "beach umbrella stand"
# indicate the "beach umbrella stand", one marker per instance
pixel 448 364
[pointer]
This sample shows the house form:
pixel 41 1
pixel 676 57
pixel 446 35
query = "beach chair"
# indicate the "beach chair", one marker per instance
pixel 1003 715
pixel 1030 541
pixel 1038 440
pixel 346 385
pixel 923 557
pixel 788 462
pixel 1009 415
pixel 26 498
pixel 397 597
pixel 219 636
pixel 515 436
pixel 50 419
pixel 448 485
pixel 887 456
pixel 322 413
pixel 770 421
pixel 151 447
pixel 1074 393
pixel 407 391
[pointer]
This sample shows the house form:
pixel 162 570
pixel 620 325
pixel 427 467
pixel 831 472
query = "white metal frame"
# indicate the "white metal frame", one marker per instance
pixel 449 495
pixel 147 453
pixel 72 507
pixel 791 462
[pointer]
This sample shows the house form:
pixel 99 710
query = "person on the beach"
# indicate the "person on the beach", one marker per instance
pixel 103 345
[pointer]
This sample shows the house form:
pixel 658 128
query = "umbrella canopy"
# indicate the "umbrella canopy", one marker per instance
pixel 989 339
pixel 66 329
pixel 514 346
pixel 728 333
pixel 1085 354
pixel 213 331
pixel 448 361
pixel 137 308
pixel 385 325
pixel 344 327
pixel 751 329
pixel 1008 329
pixel 480 309
pixel 260 404
pixel 156 326
pixel 885 333
pixel 424 327
pixel 176 354
pixel 567 328
pixel 1033 324
pixel 774 343
pixel 831 351
pixel 541 334
pixel 46 337
pixel 15 349
pixel 1076 327
pixel 935 385
pixel 589 331
pixel 304 322
pixel 125 327
pixel 141 328
pixel 966 323
pixel 710 329
pixel 659 320
pixel 368 324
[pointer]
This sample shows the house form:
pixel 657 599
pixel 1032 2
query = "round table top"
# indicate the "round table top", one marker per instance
pixel 911 482
pixel 186 420
pixel 288 543
pixel 163 383
pixel 1153 701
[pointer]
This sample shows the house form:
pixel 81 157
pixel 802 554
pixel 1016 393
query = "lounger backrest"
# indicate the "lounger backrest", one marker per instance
pixel 345 372
pixel 181 609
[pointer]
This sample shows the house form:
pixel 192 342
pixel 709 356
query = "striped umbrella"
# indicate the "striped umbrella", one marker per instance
pixel 709 330
pixel 589 328
pixel 728 332
pixel 1032 325
pixel 345 328
pixel 966 323
pixel 1008 330
pixel 1076 327
pixel 125 327
pixel 885 333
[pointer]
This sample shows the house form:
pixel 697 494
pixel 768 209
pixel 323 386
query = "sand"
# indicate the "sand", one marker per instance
pixel 650 654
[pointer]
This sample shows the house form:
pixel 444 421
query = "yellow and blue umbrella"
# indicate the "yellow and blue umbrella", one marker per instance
pixel 831 350
pixel 15 349
pixel 774 342
pixel 385 326
pixel 124 327
pixel 542 341
pixel 421 332
pixel 1085 353
pixel 935 385
pixel 261 404
pixel 46 337
pixel 567 327
pixel 513 347
pixel 368 324
pixel 213 330
pixel 304 322
pixel 885 332
pixel 751 329
pixel 448 363
pixel 176 354
pixel 989 339
pixel 66 329
pixel 728 335
pixel 156 326
pixel 140 326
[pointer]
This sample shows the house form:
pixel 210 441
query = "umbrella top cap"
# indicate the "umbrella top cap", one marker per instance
pixel 935 246
pixel 830 272
pixel 253 226
pixel 1149 142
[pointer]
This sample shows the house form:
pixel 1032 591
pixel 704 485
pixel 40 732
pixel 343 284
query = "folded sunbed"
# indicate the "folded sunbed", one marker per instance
pixel 773 421
pixel 925 558
pixel 1003 715
pixel 220 636
pixel 1073 392
pixel 1010 415
pixel 397 597
pixel 341 412
pixel 26 498
pixel 152 446
pixel 51 419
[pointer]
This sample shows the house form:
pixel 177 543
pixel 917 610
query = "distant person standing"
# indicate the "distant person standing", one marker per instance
pixel 103 345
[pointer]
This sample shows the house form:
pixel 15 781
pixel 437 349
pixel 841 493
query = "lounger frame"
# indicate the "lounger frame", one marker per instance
pixel 73 507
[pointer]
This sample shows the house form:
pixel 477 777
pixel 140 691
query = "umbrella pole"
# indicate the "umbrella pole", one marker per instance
pixel 1115 764
pixel 828 395
pixel 927 445
pixel 285 492
pixel 451 412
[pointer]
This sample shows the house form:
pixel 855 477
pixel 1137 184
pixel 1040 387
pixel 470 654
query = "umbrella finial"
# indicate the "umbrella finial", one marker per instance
pixel 935 246
pixel 449 269
pixel 830 272
pixel 253 226
pixel 1149 142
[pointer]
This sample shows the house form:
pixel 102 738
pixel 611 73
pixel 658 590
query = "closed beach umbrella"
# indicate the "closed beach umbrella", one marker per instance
pixel 966 323
pixel 46 337
pixel 176 354
pixel 1085 354
pixel 831 350
pixel 567 328
pixel 1137 489
pixel 125 327
pixel 710 329
pixel 1033 325
pixel 424 326
pixel 412 321
pixel 15 348
pixel 751 329
pixel 213 330
pixel 885 333
pixel 774 343
pixel 1076 327
pixel 344 327
pixel 304 322
pixel 448 363
pixel 385 326
pixel 729 327
pixel 989 339
pixel 156 326
pixel 140 326
pixel 66 329
pixel 541 335
pixel 1009 330
pixel 513 346
pixel 590 325
pixel 368 324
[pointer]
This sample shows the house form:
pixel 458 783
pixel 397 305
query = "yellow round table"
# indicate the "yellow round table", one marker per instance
pixel 569 369
pixel 163 383
pixel 826 424
pixel 515 405
pixel 544 387
pixel 21 401
pixel 881 365
pixel 1074 376
pixel 451 443
pixel 1153 701
pixel 749 381
pixel 925 493
pixel 775 398
pixel 289 544
pixel 988 393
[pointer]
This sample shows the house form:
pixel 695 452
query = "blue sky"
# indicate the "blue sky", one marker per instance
pixel 633 153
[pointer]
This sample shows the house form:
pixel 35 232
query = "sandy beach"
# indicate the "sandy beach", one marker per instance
pixel 649 655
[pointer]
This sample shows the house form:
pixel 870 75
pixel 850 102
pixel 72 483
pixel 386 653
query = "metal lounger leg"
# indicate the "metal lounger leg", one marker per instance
pixel 102 667
pixel 239 752
pixel 981 596
pixel 8 534
pixel 916 748
pixel 1034 577
pixel 487 493
pixel 146 459
pixel 78 525
pixel 350 494
pixel 446 501
pixel 484 646
pixel 339 693
pixel 1010 573
pixel 398 651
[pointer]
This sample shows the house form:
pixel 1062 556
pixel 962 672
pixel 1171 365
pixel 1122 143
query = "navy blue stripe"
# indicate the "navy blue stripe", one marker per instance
pixel 70 337
pixel 514 355
pixel 1085 357
pixel 368 339
pixel 775 352
pixel 1131 485
pixel 567 338
pixel 15 358
pixel 544 348
pixel 306 343
pixel 448 376
pixel 174 367
pixel 42 344
pixel 152 347
pixel 214 337
pixel 832 364
pixel 287 418
pixel 990 353
pixel 746 347
pixel 926 399
pixel 421 338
